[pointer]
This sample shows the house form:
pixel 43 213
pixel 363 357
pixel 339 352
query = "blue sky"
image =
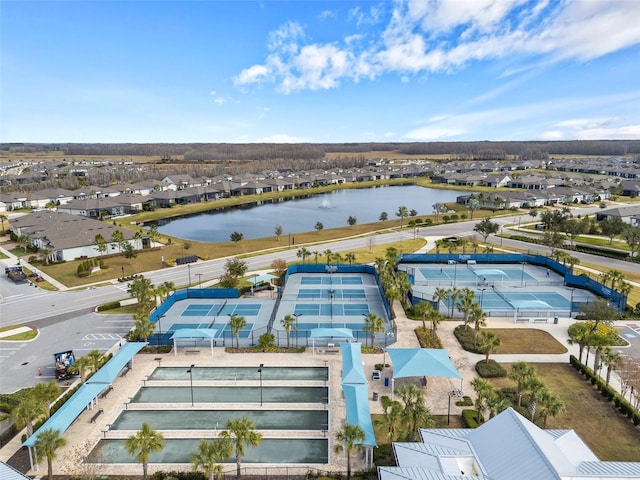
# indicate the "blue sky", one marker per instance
pixel 319 71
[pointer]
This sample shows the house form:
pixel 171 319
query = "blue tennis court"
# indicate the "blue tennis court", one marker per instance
pixel 215 310
pixel 331 280
pixel 221 327
pixel 310 326
pixel 325 293
pixel 468 273
pixel 531 300
pixel 325 309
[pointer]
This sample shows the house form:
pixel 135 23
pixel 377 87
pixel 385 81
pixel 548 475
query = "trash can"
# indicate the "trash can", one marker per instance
pixel 375 396
pixel 555 320
pixel 386 381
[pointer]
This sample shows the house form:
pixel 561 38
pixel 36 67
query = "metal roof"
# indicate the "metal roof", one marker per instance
pixel 73 407
pixel 422 362
pixel 352 371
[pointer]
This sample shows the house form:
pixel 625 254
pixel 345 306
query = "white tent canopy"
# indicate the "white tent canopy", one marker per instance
pixel 193 334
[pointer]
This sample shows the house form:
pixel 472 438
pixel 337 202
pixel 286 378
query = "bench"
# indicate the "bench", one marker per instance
pixel 125 371
pixel 96 415
pixel 540 320
pixel 192 352
pixel 106 392
pixel 522 320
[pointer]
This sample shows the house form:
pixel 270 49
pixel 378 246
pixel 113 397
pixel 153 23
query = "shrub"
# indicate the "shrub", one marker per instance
pixel 490 369
pixel 465 402
pixel 470 418
pixel 636 419
pixel 109 306
pixel 465 334
pixel 427 340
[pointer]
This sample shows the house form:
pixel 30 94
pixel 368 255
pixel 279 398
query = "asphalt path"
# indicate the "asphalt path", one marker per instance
pixel 66 319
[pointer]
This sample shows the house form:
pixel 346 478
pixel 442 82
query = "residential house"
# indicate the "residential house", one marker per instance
pixel 68 237
pixel 507 447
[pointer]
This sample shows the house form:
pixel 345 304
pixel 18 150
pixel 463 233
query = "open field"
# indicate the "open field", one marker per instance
pixel 610 435
pixel 526 341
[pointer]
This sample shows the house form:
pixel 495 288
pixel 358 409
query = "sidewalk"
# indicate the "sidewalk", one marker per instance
pixel 14 260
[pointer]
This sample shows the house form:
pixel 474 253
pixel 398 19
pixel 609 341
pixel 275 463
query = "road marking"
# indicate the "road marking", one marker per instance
pixel 101 336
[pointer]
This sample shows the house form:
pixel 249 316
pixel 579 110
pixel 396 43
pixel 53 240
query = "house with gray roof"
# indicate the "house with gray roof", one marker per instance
pixel 507 447
pixel 67 236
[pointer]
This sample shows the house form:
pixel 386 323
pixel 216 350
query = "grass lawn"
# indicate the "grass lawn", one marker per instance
pixel 526 341
pixel 610 435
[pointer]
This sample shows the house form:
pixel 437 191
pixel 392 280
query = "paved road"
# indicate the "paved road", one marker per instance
pixel 66 318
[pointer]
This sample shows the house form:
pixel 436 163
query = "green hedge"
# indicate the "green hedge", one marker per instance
pixel 109 306
pixel 490 369
pixel 470 418
pixel 465 335
pixel 624 406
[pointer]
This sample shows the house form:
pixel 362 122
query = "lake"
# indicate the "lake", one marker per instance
pixel 332 209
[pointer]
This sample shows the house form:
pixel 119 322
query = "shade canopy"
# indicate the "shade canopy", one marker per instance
pixel 261 278
pixel 194 333
pixel 331 333
pixel 421 362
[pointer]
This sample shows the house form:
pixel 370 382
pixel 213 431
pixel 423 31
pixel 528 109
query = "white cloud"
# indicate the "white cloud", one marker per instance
pixel 445 36
pixel 219 101
pixel 433 133
pixel 326 14
pixel 253 74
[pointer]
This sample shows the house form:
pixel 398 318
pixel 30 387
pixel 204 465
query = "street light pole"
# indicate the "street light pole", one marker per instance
pixel 260 372
pixel 296 315
pixel 199 275
pixel 522 277
pixel 160 329
pixel 190 372
pixel 482 289
pixel 189 269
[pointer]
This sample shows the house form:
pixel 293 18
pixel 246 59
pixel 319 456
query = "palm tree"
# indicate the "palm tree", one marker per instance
pixel 520 373
pixel 392 416
pixel 95 357
pixel 142 444
pixel 210 454
pixel 144 327
pixel 478 317
pixel 82 364
pixel 489 343
pixel 415 412
pixel 550 404
pixel 579 334
pixel 440 295
pixel 237 323
pixel 534 391
pixel 27 411
pixel 47 392
pixel 403 284
pixel 350 257
pixel 303 253
pixel 372 324
pixel 402 212
pixel 241 432
pixel 612 360
pixel 328 254
pixel 47 443
pixel 466 302
pixel 3 218
pixel 350 438
pixel 454 294
pixel 289 323
pixel 423 309
pixel 495 403
pixel 483 390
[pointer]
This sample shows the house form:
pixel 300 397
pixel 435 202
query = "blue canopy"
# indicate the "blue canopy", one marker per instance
pixel 73 407
pixel 110 370
pixel 194 333
pixel 357 403
pixel 422 362
pixel 352 371
pixel 331 333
